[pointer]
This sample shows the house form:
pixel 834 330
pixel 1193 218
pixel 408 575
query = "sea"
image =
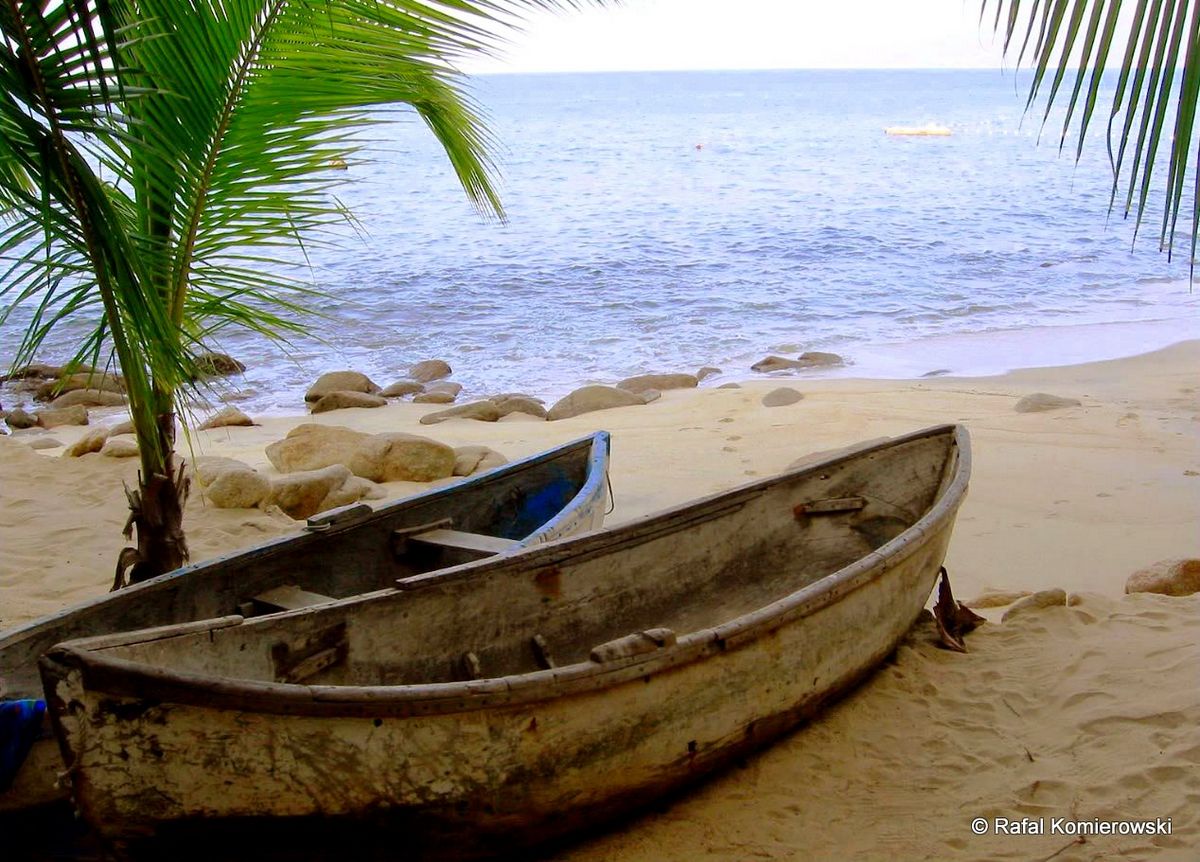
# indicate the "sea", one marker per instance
pixel 672 220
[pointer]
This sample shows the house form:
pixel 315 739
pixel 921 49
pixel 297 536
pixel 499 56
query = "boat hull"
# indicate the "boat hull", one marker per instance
pixel 217 587
pixel 488 767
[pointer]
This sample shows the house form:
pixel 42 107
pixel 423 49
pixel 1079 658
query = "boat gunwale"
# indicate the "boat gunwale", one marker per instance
pixel 597 443
pixel 129 678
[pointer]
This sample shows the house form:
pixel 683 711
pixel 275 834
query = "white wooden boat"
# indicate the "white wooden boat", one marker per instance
pixel 344 552
pixel 478 709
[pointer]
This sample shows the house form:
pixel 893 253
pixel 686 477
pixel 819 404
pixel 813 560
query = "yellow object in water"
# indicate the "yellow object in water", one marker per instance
pixel 919 131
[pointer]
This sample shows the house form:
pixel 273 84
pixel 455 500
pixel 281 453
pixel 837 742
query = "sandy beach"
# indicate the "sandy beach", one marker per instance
pixel 1084 712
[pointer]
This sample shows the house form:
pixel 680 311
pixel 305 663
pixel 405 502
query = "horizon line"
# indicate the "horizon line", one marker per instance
pixel 1001 69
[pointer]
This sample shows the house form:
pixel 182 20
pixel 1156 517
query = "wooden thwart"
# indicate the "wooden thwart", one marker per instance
pixel 475 544
pixel 289 597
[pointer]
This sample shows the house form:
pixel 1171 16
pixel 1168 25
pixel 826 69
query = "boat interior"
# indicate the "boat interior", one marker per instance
pixel 347 552
pixel 608 594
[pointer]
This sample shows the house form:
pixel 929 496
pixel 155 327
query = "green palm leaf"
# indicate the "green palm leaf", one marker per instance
pixel 159 158
pixel 1152 115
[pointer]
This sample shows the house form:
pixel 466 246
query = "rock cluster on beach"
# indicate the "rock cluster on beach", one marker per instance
pixel 1175 577
pixel 809 359
pixel 68 391
pixel 338 390
pixel 232 484
pixel 378 457
pixel 326 466
pixel 426 382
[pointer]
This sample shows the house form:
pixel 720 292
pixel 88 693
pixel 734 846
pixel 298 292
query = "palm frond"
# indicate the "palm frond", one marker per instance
pixel 1152 111
pixel 149 145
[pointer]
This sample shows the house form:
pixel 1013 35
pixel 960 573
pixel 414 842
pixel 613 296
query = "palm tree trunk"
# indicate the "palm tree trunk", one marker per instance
pixel 156 506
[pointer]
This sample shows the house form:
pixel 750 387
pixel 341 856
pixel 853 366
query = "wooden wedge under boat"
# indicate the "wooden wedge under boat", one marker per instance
pixel 509 701
pixel 344 552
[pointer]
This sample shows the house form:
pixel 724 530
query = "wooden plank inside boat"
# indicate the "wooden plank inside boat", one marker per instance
pixel 475 544
pixel 289 597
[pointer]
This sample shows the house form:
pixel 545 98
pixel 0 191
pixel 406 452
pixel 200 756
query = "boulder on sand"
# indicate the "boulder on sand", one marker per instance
pixel 428 370
pixel 482 411
pixel 301 494
pixel 996 598
pixel 91 441
pixel 401 388
pixel 18 418
pixel 1167 578
pixel 352 490
pixel 587 399
pixel 119 447
pixel 80 380
pixel 343 399
pixel 447 386
pixel 88 398
pixel 507 404
pixel 808 359
pixel 340 381
pixel 394 457
pixel 401 457
pixel 433 398
pixel 52 418
pixel 774 363
pixel 207 468
pixel 225 418
pixel 1037 601
pixel 819 359
pixel 311 446
pixel 642 382
pixel 475 459
pixel 238 489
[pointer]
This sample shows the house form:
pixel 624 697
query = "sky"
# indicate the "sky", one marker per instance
pixel 644 35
